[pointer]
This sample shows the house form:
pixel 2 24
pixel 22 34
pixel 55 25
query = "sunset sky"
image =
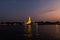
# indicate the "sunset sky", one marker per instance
pixel 38 10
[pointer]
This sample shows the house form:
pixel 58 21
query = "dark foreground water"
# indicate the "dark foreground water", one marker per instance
pixel 29 32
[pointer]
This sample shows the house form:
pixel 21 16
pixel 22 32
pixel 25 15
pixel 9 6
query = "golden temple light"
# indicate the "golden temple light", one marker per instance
pixel 28 21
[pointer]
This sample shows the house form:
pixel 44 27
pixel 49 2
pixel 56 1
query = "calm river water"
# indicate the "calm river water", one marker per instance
pixel 42 32
pixel 29 32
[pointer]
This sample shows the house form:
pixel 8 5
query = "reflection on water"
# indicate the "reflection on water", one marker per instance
pixel 57 28
pixel 36 28
pixel 42 32
pixel 29 29
pixel 57 31
pixel 28 32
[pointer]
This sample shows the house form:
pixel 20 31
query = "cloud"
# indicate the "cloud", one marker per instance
pixel 50 13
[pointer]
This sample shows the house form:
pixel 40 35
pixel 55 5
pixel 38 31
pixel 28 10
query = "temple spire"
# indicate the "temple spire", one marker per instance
pixel 28 21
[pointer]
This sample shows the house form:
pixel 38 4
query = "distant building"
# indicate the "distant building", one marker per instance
pixel 28 21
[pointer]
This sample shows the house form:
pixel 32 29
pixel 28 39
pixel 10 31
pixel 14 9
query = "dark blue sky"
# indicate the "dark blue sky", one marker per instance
pixel 19 10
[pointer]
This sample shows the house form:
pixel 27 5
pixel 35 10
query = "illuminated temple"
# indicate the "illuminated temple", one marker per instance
pixel 28 21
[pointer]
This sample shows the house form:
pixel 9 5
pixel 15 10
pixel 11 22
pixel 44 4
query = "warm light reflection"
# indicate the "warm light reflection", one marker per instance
pixel 57 28
pixel 57 32
pixel 29 28
pixel 29 31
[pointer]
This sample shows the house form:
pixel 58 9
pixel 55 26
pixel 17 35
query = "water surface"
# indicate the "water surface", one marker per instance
pixel 30 32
